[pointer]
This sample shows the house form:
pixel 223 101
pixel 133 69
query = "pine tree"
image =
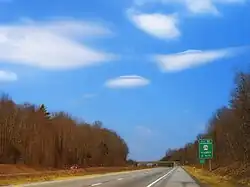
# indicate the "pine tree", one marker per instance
pixel 44 110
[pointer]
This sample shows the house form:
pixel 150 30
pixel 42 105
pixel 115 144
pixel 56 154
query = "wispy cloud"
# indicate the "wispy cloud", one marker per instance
pixel 205 6
pixel 77 101
pixel 158 25
pixel 143 131
pixel 166 26
pixel 7 76
pixel 89 95
pixel 198 6
pixel 129 81
pixel 195 6
pixel 51 44
pixel 192 58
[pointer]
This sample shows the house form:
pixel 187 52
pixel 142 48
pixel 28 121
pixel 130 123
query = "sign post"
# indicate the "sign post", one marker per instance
pixel 206 151
pixel 202 162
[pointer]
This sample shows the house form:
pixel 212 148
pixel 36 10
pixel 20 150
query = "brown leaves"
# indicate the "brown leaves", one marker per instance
pixel 33 136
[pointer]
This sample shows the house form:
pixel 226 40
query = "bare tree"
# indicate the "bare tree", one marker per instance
pixel 32 135
pixel 229 127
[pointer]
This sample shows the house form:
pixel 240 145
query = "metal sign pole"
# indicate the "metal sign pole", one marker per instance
pixel 210 165
pixel 206 152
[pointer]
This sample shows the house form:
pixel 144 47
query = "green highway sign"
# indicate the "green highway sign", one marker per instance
pixel 202 161
pixel 205 149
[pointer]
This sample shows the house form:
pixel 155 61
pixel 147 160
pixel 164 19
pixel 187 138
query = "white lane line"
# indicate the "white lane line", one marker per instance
pixel 120 179
pixel 160 178
pixel 97 184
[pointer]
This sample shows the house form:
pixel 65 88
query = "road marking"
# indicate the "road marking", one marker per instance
pixel 120 179
pixel 157 180
pixel 97 184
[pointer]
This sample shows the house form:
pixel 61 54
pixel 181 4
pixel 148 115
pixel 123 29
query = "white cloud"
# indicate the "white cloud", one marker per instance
pixel 142 2
pixel 7 76
pixel 158 25
pixel 195 6
pixel 192 58
pixel 230 1
pixel 129 81
pixel 201 6
pixel 52 44
pixel 206 6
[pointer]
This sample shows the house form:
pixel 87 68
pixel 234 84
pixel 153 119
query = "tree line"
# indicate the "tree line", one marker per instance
pixel 31 135
pixel 229 127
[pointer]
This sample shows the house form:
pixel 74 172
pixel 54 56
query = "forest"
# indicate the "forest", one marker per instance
pixel 31 135
pixel 229 127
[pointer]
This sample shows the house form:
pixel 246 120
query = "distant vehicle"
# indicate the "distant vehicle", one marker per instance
pixel 74 167
pixel 149 164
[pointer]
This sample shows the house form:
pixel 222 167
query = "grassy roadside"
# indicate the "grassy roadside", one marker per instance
pixel 211 179
pixel 16 180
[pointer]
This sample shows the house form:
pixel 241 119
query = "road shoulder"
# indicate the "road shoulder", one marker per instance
pixel 179 178
pixel 58 178
pixel 195 178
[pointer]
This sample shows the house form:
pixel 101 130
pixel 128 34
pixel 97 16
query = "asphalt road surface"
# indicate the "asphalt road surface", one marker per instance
pixel 156 177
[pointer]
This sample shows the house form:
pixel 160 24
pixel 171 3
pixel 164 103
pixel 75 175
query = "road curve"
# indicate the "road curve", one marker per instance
pixel 156 177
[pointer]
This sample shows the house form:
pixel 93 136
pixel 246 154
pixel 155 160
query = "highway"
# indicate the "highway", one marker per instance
pixel 155 177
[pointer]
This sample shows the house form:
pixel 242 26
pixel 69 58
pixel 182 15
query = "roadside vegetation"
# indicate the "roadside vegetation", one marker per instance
pixel 210 179
pixel 23 174
pixel 33 136
pixel 229 127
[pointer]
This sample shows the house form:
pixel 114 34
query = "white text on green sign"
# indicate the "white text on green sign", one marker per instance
pixel 205 149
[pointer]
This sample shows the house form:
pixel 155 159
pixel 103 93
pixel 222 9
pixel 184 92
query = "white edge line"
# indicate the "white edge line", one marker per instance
pixel 157 180
pixel 97 184
pixel 120 179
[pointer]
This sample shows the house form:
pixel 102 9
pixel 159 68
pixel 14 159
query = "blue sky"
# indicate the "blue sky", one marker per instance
pixel 154 71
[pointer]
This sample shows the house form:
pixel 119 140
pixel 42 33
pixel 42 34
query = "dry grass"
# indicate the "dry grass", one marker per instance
pixel 18 168
pixel 237 171
pixel 16 174
pixel 211 179
pixel 41 178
